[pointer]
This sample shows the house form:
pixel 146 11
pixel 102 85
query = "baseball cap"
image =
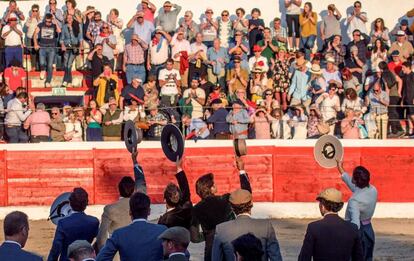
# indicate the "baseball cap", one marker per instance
pixel 395 53
pixel 400 33
pixel 331 194
pixel 404 22
pixel 176 234
pixel 240 196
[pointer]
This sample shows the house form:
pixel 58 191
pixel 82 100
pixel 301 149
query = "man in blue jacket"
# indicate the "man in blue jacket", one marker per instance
pixel 77 226
pixel 16 232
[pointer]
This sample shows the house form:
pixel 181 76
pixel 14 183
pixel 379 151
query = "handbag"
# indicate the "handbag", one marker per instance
pixel 323 128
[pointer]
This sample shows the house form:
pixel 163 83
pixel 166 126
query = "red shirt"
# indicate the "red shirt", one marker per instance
pixel 15 80
pixel 395 67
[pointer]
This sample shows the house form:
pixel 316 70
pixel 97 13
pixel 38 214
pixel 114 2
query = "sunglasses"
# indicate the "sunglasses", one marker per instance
pixel 224 14
pixel 52 3
pixel 54 113
pixel 35 11
pixel 209 12
pixel 268 94
pixel 105 27
pixel 357 35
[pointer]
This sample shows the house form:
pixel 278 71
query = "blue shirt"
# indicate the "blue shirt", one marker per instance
pixel 144 31
pixel 196 125
pixel 68 37
pixel 218 119
pixel 299 87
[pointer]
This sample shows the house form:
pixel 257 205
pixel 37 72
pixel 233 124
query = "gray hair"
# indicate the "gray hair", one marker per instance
pixel 40 106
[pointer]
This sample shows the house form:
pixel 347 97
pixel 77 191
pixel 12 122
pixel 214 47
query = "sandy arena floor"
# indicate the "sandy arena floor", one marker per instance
pixel 395 238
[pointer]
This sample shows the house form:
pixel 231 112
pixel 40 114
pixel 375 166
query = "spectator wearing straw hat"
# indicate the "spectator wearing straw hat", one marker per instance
pixel 298 90
pixel 331 238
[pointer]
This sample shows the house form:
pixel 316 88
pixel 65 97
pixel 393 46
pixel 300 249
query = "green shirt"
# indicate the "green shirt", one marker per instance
pixel 268 52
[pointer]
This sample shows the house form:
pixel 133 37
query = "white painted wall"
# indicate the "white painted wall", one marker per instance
pixel 390 10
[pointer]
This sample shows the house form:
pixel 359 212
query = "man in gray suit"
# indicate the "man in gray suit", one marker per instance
pixel 241 203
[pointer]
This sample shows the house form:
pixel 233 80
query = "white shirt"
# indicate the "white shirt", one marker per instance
pixel 170 88
pixel 13 242
pixel 197 107
pixel 13 38
pixel 329 76
pixel 16 114
pixel 356 23
pixel 179 46
pixel 130 115
pixel 195 47
pixel 328 106
pixel 161 56
pixel 253 60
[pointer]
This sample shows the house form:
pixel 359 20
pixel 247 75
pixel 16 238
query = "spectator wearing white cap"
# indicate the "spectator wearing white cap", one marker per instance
pixel 402 45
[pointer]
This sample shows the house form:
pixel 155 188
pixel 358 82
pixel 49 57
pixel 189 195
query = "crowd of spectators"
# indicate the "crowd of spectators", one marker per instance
pixel 217 78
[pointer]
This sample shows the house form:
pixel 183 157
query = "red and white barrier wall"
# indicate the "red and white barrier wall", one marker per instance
pixel 283 173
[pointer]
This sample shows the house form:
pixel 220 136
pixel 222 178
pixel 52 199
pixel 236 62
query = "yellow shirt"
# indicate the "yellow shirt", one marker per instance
pixel 101 83
pixel 307 28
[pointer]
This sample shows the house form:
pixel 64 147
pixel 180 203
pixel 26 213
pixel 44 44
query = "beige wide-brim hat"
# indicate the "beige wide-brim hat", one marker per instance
pixel 327 151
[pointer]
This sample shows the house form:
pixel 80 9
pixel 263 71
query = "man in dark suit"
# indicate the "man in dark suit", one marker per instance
pixel 139 240
pixel 241 203
pixel 178 201
pixel 212 209
pixel 175 241
pixel 77 226
pixel 16 232
pixel 331 238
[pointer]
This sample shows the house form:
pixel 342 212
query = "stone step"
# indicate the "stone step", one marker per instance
pixel 77 81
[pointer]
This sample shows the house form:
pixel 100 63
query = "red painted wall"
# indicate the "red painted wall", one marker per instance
pixel 278 174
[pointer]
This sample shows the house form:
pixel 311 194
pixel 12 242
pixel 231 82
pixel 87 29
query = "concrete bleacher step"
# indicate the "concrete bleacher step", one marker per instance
pixel 77 81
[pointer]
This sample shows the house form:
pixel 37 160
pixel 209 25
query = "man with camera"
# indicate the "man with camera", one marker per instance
pixel 18 110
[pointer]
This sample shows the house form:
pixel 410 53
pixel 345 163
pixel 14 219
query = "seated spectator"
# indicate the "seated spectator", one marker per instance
pixel 259 84
pixel 329 104
pixel 175 242
pixel 379 53
pixel 242 96
pixel 156 122
pixel 57 126
pixel 281 77
pixel 180 51
pixel 349 81
pixel 206 85
pixel 225 29
pixel 308 24
pixel 140 234
pixel 317 83
pixel 134 59
pixel 217 93
pixel 330 26
pixel 360 40
pixel 196 97
pixel 262 121
pixel 81 250
pixel 190 27
pixel 258 59
pixel 372 79
pixel 112 122
pixel 97 60
pixel 298 122
pixel 15 117
pixel 350 125
pixel 354 102
pixel 238 118
pixel 16 233
pixel 73 128
pixel 240 24
pixel 380 32
pixel 239 48
pixel 167 18
pixel 268 45
pixel 38 122
pixel 314 119
pixel 93 121
pixel 12 34
pixel 198 57
pixel 77 226
pixel 356 20
pixel 280 127
pixel 355 64
pixel 133 91
pixel 237 77
pixel 196 128
pixel 403 46
pixel 107 84
pixel 395 64
pixel 150 90
pixel 403 26
pixel 170 84
pixel 158 51
pixel 141 27
pixel 269 102
pixel 256 27
pixel 108 41
pixel 217 57
pixel 336 50
pixel 133 112
pixel 15 76
pixel 248 247
pixel 216 120
pixel 115 215
pixel 279 33
pixel 378 101
pixel 331 73
pixel 208 27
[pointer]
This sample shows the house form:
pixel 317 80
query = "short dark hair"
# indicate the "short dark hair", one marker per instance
pixel 406 64
pixel 35 6
pixel 82 253
pixel 78 199
pixel 169 60
pixel 204 184
pixel 116 12
pixel 22 95
pixel 139 205
pixel 242 208
pixel 361 177
pixel 248 247
pixel 73 2
pixel 172 195
pixel 14 222
pixel 358 2
pixel 97 13
pixel 126 187
pixel 256 10
pixel 48 16
pixel 331 206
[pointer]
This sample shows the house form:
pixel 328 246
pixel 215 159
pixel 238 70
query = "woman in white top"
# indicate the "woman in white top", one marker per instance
pixel 73 128
pixel 209 28
pixel 352 101
pixel 329 106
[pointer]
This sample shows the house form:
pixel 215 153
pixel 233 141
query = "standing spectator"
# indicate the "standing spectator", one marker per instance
pixel 361 206
pixel 141 27
pixel 256 27
pixel 197 97
pixel 57 126
pixel 330 26
pixel 190 27
pixel 329 104
pixel 12 9
pixel 149 10
pixel 3 93
pixel 93 120
pixel 112 122
pixel 208 28
pixel 133 91
pixel 268 45
pixel 241 203
pixel 350 125
pixel 335 49
pixel 134 59
pixel 298 90
pixel 140 234
pixel 115 215
pixel 331 238
pixel 217 93
pixel 88 16
pixel 240 24
pixel 269 102
pixel 225 30
pixel 198 57
pixel 44 39
pixel 12 33
pixel 403 46
pixel 167 18
pixel 237 78
pixel 217 57
pixel 150 90
pixel 77 226
pixel 73 128
pixel 378 101
pixel 196 127
pixel 16 233
pixel 70 41
pixel 281 77
pixel 217 120
pixel 353 102
pixel 315 118
pixel 107 84
pixel 298 122
pixel 39 124
pixel 356 20
pixel 407 76
pixel 355 64
pixel 170 84
pixel 108 41
pixel 403 26
pixel 279 33
pixel 70 9
pixel 308 20
pixel 156 122
pixel 379 53
pixel 116 24
pixel 17 113
pixel 57 13
pixel 259 84
pixel 239 48
pixel 158 52
pixel 292 21
pixel 317 83
pixel 15 76
pixel 380 32
pixel 97 60
pixel 133 112
pixel 239 119
pixel 175 241
pixel 180 51
pixel 29 28
pixel 349 81
pixel 94 28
